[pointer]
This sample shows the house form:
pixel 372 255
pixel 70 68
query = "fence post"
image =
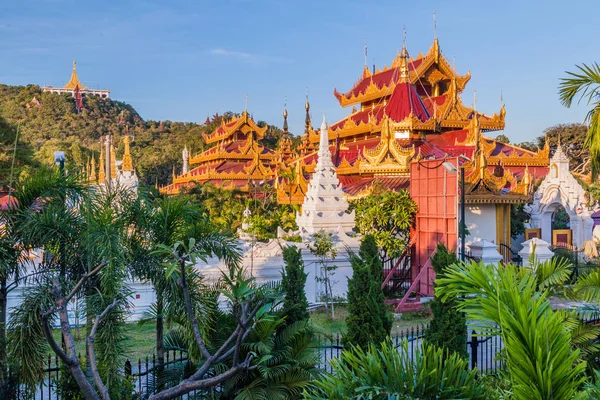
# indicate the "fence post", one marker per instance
pixel 127 368
pixel 474 348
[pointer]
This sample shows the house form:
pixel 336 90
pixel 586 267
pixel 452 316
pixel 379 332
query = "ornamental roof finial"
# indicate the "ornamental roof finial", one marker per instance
pixel 434 26
pixel 365 53
pixel 127 160
pixel 324 139
pixel 285 115
pixel 307 118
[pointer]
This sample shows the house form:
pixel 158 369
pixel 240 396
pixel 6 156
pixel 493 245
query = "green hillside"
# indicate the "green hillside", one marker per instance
pixel 47 122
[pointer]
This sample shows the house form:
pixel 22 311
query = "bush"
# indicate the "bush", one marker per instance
pixel 293 280
pixel 368 321
pixel 448 327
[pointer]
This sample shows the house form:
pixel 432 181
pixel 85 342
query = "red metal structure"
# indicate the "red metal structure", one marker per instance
pixel 435 190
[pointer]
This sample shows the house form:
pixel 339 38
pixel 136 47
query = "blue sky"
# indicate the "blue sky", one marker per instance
pixel 182 60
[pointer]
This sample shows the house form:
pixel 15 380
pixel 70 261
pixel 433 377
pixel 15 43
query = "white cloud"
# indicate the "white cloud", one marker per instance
pixel 250 58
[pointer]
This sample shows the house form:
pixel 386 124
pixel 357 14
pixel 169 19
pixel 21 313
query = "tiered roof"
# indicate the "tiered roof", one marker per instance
pixel 236 158
pixel 413 109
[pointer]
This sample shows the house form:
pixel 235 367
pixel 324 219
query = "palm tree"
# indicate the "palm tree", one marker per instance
pixel 163 222
pixel 586 84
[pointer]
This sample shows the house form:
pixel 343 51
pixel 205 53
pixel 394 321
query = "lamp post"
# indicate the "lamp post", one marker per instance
pixel 462 226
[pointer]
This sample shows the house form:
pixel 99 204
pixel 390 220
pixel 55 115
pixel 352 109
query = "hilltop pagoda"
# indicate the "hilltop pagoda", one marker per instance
pixel 236 159
pixel 76 89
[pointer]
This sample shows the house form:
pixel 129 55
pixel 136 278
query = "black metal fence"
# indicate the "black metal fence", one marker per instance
pixel 483 350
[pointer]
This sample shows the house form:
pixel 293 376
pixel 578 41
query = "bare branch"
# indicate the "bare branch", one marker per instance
pixel 91 353
pixel 53 345
pixel 191 314
pixel 83 279
pixel 188 385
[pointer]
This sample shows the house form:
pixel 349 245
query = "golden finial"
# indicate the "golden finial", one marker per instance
pixel 246 106
pixel 113 163
pixel 434 26
pixel 366 53
pixel 127 160
pixel 475 101
pixel 93 169
pixel 101 169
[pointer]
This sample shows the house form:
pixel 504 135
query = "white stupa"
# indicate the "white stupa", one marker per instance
pixel 325 205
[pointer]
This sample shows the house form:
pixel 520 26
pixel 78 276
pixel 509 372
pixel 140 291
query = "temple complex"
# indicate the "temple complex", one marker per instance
pixel 75 88
pixel 236 159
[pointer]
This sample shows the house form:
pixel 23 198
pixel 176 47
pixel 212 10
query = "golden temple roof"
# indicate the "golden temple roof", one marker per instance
pixel 74 81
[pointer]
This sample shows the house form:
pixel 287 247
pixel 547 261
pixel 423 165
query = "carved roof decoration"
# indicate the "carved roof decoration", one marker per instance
pixel 243 123
pixel 373 86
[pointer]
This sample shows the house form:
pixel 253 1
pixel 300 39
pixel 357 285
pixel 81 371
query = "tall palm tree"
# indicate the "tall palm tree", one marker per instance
pixel 586 84
pixel 164 221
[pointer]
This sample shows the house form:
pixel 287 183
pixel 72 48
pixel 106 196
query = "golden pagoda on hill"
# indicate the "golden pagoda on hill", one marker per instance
pixel 75 88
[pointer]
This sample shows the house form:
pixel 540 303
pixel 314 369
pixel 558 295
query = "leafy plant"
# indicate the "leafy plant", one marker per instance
pixel 293 281
pixel 368 320
pixel 390 373
pixel 323 246
pixel 448 327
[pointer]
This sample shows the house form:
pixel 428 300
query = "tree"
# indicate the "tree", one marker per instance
pixel 391 373
pixel 368 321
pixel 573 137
pixel 502 139
pixel 388 217
pixel 293 280
pixel 541 362
pixel 448 327
pixel 324 248
pixel 586 84
pixel 163 222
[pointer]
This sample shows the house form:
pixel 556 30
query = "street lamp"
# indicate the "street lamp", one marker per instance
pixel 451 168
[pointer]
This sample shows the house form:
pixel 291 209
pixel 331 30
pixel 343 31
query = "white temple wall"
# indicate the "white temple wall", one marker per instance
pixel 481 222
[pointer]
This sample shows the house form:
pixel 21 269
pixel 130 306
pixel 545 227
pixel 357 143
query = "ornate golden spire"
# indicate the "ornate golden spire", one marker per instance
pixel 101 169
pixel 113 163
pixel 74 81
pixel 404 60
pixel 93 169
pixel 127 161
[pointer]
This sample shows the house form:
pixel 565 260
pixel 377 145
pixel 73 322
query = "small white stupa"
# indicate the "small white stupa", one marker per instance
pixel 325 205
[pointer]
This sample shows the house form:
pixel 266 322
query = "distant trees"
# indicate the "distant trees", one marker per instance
pixel 368 321
pixel 585 84
pixel 502 139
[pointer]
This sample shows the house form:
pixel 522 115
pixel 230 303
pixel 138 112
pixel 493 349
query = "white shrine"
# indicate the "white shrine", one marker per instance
pixel 324 210
pixel 560 188
pixel 325 205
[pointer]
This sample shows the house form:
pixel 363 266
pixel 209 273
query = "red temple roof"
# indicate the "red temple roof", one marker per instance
pixel 404 102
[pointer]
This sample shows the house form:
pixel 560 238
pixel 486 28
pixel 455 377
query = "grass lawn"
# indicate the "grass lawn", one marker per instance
pixel 326 324
pixel 140 341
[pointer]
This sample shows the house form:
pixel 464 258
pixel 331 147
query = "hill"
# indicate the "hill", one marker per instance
pixel 47 122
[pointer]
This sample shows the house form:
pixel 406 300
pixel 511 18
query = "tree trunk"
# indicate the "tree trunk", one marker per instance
pixel 3 306
pixel 160 346
pixel 89 322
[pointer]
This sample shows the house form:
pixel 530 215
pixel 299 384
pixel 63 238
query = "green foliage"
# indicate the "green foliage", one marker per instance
pixel 285 366
pixel 540 360
pixel 293 280
pixel 585 84
pixel 368 321
pixel 388 217
pixel 518 216
pixel 502 139
pixel 448 327
pixel 323 247
pixel 390 373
